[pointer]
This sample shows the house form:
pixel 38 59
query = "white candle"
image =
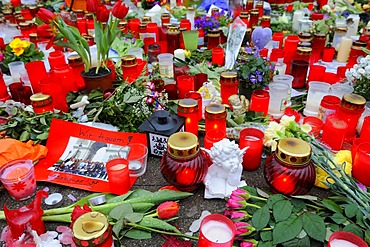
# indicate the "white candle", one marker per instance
pixel 298 15
pixel 344 49
pixel 190 15
pixel 342 243
pixel 180 54
pixel 217 232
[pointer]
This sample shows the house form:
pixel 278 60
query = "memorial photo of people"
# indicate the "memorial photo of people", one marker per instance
pixel 86 158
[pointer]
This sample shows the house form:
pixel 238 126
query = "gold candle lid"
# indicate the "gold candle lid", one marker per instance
pixel 39 97
pixel 304 50
pixel 188 103
pixel 266 17
pixel 183 29
pixel 244 14
pixel 89 16
pixel 353 102
pixel 7 12
pixel 165 16
pixel 213 33
pixel 143 25
pixel 122 25
pixel 341 29
pixel 146 19
pixel 173 29
pixel 33 36
pixel 305 36
pixel 129 60
pixel 24 24
pixel 358 44
pixel 79 11
pixel 293 151
pixel 33 7
pixel 304 44
pixel 183 145
pixel 254 12
pixel 215 108
pixel 229 77
pixel 259 4
pixel 215 10
pixel 74 59
pixel 320 35
pixel 88 37
pixel 91 228
pixel 191 8
pixel 248 30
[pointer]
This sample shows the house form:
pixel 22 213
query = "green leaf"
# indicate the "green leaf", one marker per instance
pixel 157 224
pixel 287 230
pixel 138 234
pixel 338 218
pixel 298 205
pixel 367 236
pixel 314 226
pixel 134 217
pixel 43 136
pixel 351 210
pixel 301 242
pixel 160 196
pixel 354 229
pixel 273 199
pixel 282 210
pixel 334 227
pixel 43 121
pixel 261 218
pixel 117 227
pixel 331 205
pixel 265 244
pixel 266 236
pixel 139 193
pixel 121 211
pixel 24 136
pixel 119 198
pixel 142 207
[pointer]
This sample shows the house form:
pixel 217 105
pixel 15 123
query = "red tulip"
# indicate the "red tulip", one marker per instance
pixel 119 10
pixel 167 209
pixel 16 3
pixel 78 211
pixel 45 15
pixel 44 31
pixel 102 13
pixel 92 6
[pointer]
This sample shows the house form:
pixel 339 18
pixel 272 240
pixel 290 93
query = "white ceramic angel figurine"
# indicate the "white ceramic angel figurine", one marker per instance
pixel 224 174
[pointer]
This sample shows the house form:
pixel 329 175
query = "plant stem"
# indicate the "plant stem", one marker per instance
pixel 159 231
pixel 252 205
pixel 258 198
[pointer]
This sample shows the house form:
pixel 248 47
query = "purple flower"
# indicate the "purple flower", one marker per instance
pixel 249 243
pixel 362 187
pixel 243 229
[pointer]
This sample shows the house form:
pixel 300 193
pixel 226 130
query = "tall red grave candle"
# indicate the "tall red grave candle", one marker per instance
pixel 129 68
pixel 365 130
pixel 133 26
pixel 333 132
pixel 188 108
pixel 185 84
pixel 173 39
pixel 213 38
pixel 279 37
pixel 316 73
pixel 3 90
pixel 198 97
pixel 253 19
pixel 53 87
pixel 67 77
pixel 218 56
pixel 36 71
pixel 229 85
pixel 350 110
pixel 328 54
pixel 56 58
pixel 153 28
pixel 361 165
pixel 253 139
pixel 215 117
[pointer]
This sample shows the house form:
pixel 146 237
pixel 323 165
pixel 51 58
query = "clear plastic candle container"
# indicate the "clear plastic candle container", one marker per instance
pixel 316 92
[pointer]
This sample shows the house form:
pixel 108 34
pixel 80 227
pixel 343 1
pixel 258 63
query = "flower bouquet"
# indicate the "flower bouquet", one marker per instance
pixel 254 71
pixel 359 77
pixel 21 50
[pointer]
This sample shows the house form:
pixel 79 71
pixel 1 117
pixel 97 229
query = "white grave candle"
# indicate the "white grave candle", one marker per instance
pixel 344 49
pixel 217 232
pixel 342 243
pixel 298 15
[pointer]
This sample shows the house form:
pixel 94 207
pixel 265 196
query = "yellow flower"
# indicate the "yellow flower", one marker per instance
pixel 19 46
pixel 187 53
pixel 342 159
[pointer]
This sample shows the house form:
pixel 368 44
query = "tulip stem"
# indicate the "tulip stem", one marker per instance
pixel 159 231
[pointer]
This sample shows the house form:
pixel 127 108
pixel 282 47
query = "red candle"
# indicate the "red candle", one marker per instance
pixel 253 139
pixel 188 108
pixel 82 26
pixel 198 97
pixel 118 176
pixel 317 73
pixel 53 87
pixel 316 125
pixel 200 78
pixel 133 25
pixel 185 84
pixel 284 184
pixel 19 220
pixel 212 137
pixel 365 130
pixel 218 56
pixel 361 165
pixel 299 71
pixel 341 72
pixel 328 54
pixel 129 68
pixel 356 142
pixel 229 85
pixel 279 37
pixel 345 239
pixel 317 16
pixel 185 23
pixel 18 178
pixel 186 176
pixel 333 132
pixel 153 28
pixel 3 90
pixel 67 77
pixel 56 58
pixel 41 103
pixel 330 78
pixel 215 117
pixel 171 90
pixel 260 101
pixel 216 230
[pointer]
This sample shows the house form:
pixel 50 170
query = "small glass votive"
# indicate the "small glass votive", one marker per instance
pixel 328 54
pixel 118 176
pixel 18 177
pixel 212 137
pixel 216 230
pixel 278 99
pixel 333 132
pixel 136 51
pixel 15 68
pixel 165 61
pixel 190 39
pixel 137 156
pixel 260 101
pixel 299 70
pixel 340 89
pixel 253 139
pixel 316 92
pixel 345 239
pixel 288 79
pixel 316 125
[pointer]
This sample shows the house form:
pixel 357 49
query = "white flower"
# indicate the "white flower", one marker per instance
pixel 285 120
pixel 306 128
pixel 272 144
pixel 361 71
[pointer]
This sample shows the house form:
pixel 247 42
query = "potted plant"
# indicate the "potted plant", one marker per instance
pixel 21 50
pixel 106 22
pixel 254 72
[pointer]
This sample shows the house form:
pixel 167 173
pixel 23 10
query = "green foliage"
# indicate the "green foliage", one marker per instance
pixel 31 53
